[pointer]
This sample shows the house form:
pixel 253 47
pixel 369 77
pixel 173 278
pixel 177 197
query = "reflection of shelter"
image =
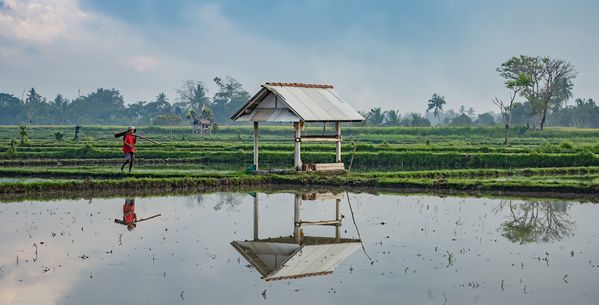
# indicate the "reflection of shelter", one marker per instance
pixel 297 256
pixel 299 103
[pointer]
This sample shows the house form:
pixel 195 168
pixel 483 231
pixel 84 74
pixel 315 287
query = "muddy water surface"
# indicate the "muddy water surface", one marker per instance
pixel 201 250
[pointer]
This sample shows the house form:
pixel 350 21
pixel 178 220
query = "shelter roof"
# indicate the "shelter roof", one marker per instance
pixel 280 260
pixel 296 102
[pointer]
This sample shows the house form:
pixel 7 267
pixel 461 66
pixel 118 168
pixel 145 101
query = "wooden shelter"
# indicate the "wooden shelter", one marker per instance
pixel 298 256
pixel 299 103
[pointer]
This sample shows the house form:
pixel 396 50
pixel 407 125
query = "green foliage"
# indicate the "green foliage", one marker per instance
pixel 87 149
pixel 166 120
pixel 12 150
pixel 567 145
pixel 462 120
pixel 59 136
pixel 23 134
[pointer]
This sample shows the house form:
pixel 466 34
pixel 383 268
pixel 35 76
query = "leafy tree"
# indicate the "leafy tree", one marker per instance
pixel 521 113
pixel 557 73
pixel 35 105
pixel 376 116
pixel 436 104
pixel 104 105
pixel 12 110
pixel 23 134
pixel 506 108
pixel 59 108
pixel 392 117
pixel 415 120
pixel 160 107
pixel 461 120
pixel 161 98
pixel 193 94
pixel 471 112
pixel 550 81
pixel 584 113
pixel 229 97
pixel 166 119
pixel 485 119
pixel 564 93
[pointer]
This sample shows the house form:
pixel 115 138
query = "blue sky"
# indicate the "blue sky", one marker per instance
pixel 393 54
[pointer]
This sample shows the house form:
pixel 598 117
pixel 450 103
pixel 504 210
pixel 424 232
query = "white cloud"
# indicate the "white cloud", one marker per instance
pixel 58 47
pixel 40 21
pixel 143 63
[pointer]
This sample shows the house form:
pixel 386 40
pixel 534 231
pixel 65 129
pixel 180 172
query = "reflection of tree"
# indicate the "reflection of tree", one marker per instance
pixel 228 199
pixel 195 200
pixel 535 221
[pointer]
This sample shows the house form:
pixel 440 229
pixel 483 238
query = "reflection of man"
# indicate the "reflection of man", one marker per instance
pixel 129 217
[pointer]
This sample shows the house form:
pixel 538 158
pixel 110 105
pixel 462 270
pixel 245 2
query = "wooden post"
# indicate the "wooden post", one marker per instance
pixel 256 217
pixel 296 218
pixel 338 143
pixel 297 158
pixel 338 218
pixel 256 135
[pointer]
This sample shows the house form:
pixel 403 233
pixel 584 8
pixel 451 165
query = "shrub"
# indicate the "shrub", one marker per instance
pixel 568 145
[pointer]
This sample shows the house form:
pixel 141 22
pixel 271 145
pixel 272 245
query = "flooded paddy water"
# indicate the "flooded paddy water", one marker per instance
pixel 284 248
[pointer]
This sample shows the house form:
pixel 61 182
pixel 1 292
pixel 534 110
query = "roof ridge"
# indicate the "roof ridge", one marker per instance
pixel 302 85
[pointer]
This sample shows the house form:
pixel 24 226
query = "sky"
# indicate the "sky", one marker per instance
pixel 392 54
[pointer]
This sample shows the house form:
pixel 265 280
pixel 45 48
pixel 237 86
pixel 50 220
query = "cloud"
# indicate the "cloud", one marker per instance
pixel 143 62
pixel 59 47
pixel 40 21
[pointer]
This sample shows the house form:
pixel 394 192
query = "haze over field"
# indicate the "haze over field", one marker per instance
pixel 393 54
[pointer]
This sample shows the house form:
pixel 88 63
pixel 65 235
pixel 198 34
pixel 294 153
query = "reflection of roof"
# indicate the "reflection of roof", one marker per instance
pixel 294 102
pixel 279 259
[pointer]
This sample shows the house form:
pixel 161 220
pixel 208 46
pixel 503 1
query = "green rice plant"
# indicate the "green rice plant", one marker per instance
pixel 566 145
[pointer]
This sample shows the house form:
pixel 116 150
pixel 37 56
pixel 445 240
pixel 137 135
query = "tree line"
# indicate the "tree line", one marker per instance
pixel 539 89
pixel 107 106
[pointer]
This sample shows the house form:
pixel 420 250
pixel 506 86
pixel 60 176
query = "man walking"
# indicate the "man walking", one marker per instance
pixel 129 148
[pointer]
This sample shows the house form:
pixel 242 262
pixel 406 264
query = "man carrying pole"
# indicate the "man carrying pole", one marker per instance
pixel 129 148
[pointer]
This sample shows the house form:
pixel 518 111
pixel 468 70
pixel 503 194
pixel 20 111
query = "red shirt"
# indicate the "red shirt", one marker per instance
pixel 130 139
pixel 128 213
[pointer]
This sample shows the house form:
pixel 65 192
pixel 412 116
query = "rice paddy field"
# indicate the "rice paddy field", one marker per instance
pixel 426 216
pixel 556 161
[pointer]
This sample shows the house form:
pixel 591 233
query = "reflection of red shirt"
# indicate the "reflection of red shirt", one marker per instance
pixel 130 139
pixel 128 213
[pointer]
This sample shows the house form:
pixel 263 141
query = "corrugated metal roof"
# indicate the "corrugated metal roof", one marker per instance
pixel 308 103
pixel 269 115
pixel 313 260
pixel 278 261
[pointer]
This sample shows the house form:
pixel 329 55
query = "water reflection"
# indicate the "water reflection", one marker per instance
pixel 129 217
pixel 536 221
pixel 298 255
pixel 427 250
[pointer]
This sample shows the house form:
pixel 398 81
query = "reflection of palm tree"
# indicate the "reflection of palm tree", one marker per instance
pixel 535 221
pixel 228 199
pixel 195 200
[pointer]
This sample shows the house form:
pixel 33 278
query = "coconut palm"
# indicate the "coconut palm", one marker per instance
pixel 392 117
pixel 436 104
pixel 376 116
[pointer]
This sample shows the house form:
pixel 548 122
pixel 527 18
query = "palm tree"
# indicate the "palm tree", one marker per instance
pixel 376 116
pixel 564 92
pixel 436 104
pixel 392 117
